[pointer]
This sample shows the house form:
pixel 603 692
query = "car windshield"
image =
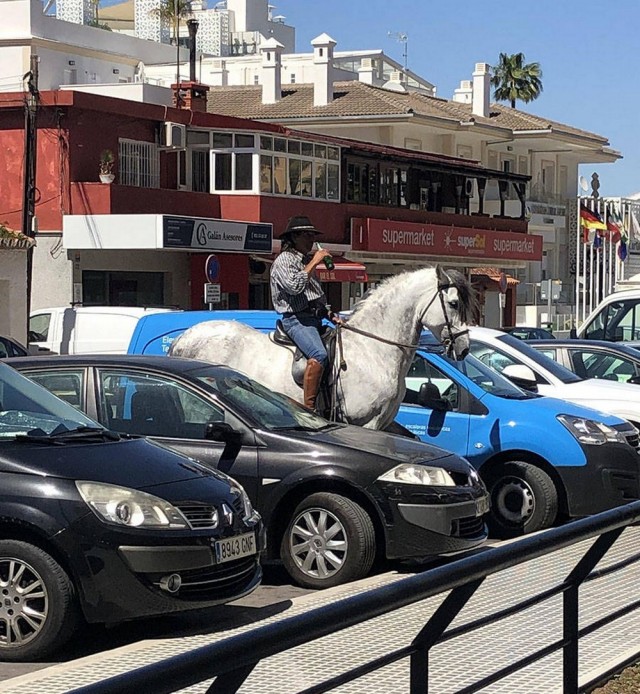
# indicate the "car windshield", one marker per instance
pixel 488 379
pixel 267 409
pixel 27 408
pixel 560 372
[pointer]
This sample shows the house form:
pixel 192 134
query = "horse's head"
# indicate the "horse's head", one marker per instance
pixel 450 311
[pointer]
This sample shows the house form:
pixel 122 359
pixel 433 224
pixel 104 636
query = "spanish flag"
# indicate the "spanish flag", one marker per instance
pixel 591 219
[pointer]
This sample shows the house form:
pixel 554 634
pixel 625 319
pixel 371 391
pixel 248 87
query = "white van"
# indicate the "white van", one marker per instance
pixel 84 330
pixel 616 318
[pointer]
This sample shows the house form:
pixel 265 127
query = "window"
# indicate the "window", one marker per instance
pixel 39 327
pixel 602 365
pixel 136 403
pixel 200 171
pixel 299 168
pixel 116 288
pixel 68 386
pixel 223 163
pixel 138 164
pixel 439 385
pixel 233 169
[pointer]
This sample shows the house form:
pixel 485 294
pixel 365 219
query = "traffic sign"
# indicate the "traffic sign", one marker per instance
pixel 212 268
pixel 212 293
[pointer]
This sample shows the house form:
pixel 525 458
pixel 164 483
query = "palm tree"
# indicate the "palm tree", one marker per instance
pixel 173 11
pixel 514 80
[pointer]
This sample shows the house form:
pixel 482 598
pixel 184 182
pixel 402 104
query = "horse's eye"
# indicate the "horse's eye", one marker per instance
pixel 454 305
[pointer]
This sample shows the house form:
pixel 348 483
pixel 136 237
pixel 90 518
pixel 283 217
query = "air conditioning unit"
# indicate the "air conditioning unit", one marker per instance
pixel 174 136
pixel 470 187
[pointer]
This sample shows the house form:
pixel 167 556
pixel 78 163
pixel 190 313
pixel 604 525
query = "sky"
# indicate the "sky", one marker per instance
pixel 588 52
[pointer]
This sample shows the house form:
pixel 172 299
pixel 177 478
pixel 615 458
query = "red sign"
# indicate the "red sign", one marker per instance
pixel 344 271
pixel 387 236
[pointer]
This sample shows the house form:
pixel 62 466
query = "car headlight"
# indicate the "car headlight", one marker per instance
pixel 590 432
pixel 130 508
pixel 418 474
pixel 248 512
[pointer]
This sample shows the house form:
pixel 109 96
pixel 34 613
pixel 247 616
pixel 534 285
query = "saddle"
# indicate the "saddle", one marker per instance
pixel 328 336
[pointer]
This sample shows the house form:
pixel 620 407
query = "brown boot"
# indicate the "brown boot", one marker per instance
pixel 311 382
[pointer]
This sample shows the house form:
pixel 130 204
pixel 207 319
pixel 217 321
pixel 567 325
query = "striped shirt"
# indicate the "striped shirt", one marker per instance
pixel 291 287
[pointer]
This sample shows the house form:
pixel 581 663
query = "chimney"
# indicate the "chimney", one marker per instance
pixel 481 90
pixel 271 71
pixel 367 70
pixel 190 96
pixel 323 46
pixel 464 93
pixel 192 25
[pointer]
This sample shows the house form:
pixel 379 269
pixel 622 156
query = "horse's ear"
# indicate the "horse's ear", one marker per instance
pixel 440 274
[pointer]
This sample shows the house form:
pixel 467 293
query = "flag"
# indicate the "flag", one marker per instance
pixel 614 225
pixel 622 250
pixel 591 219
pixel 635 227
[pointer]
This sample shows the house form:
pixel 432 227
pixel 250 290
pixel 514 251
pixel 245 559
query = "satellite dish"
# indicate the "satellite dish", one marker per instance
pixel 584 184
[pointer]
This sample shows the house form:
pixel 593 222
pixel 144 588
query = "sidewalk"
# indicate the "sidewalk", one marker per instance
pixel 454 664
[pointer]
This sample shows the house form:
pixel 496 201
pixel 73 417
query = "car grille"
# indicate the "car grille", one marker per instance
pixel 200 515
pixel 219 581
pixel 471 526
pixel 631 434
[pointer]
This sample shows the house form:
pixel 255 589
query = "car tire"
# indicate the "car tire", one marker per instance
pixel 318 520
pixel 38 611
pixel 523 499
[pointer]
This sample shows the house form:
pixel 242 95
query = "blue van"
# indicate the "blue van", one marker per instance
pixel 542 458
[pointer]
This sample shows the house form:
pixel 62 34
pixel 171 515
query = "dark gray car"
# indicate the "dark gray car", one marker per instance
pixel 333 496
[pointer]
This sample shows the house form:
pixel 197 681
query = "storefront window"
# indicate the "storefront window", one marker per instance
pixel 110 288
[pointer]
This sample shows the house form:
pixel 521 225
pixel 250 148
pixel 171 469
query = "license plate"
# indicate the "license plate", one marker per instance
pixel 482 506
pixel 236 547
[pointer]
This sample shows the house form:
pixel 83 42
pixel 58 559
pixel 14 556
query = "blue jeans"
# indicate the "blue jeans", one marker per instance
pixel 303 329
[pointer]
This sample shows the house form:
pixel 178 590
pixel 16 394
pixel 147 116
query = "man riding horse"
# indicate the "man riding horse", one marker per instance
pixel 297 295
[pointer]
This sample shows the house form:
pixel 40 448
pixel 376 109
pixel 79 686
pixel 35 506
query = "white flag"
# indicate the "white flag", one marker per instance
pixel 634 232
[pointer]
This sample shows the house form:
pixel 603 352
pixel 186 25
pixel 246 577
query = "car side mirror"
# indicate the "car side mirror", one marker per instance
pixel 573 334
pixel 634 379
pixel 429 396
pixel 222 431
pixel 522 376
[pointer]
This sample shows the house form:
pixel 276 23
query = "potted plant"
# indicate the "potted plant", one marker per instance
pixel 106 166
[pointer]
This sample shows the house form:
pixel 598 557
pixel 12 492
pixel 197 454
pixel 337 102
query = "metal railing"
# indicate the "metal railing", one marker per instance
pixel 232 660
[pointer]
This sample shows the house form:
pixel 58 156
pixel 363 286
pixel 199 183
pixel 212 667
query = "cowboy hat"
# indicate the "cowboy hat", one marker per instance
pixel 297 224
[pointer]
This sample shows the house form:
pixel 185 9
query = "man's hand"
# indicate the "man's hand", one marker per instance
pixel 335 318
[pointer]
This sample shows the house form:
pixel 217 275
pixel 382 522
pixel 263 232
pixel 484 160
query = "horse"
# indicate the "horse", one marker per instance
pixel 378 343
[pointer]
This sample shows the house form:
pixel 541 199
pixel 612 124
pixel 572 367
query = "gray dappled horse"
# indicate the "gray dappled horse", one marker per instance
pixel 378 343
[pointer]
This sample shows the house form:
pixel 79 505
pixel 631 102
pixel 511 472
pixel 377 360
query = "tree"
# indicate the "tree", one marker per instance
pixel 173 11
pixel 514 80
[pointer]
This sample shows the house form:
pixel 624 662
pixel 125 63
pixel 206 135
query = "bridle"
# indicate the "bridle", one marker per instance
pixel 448 342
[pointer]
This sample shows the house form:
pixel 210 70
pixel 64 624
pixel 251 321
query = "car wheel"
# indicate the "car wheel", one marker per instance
pixel 523 499
pixel 330 540
pixel 38 610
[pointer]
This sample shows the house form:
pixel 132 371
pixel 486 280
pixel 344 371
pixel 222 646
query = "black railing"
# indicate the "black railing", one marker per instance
pixel 232 660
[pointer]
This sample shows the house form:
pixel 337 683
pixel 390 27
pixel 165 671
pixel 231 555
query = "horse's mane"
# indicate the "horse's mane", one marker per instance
pixel 468 308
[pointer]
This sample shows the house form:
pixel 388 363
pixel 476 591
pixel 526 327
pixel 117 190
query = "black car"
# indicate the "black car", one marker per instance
pixel 107 528
pixel 523 332
pixel 11 348
pixel 332 496
pixel 612 361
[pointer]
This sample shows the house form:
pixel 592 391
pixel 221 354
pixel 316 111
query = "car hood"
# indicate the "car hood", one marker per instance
pixel 380 443
pixel 135 463
pixel 595 389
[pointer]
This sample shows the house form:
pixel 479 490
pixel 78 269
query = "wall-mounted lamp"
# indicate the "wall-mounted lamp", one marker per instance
pixel 509 148
pixel 116 71
pixel 72 62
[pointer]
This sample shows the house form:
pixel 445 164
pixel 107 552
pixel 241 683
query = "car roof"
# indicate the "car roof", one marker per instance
pixel 173 364
pixel 593 344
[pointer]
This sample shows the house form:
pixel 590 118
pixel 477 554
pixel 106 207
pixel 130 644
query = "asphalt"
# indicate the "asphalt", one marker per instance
pixel 454 664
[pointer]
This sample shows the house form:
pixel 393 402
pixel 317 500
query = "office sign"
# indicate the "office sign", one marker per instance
pixel 201 233
pixel 388 236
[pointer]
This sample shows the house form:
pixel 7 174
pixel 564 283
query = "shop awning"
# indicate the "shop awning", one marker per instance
pixel 344 271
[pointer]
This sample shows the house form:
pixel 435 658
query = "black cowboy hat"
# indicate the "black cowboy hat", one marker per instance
pixel 297 224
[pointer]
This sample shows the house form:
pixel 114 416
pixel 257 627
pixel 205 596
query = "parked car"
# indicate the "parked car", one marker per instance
pixel 529 333
pixel 84 329
pixel 11 348
pixel 541 458
pixel 518 360
pixel 333 496
pixel 107 528
pixel 612 361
